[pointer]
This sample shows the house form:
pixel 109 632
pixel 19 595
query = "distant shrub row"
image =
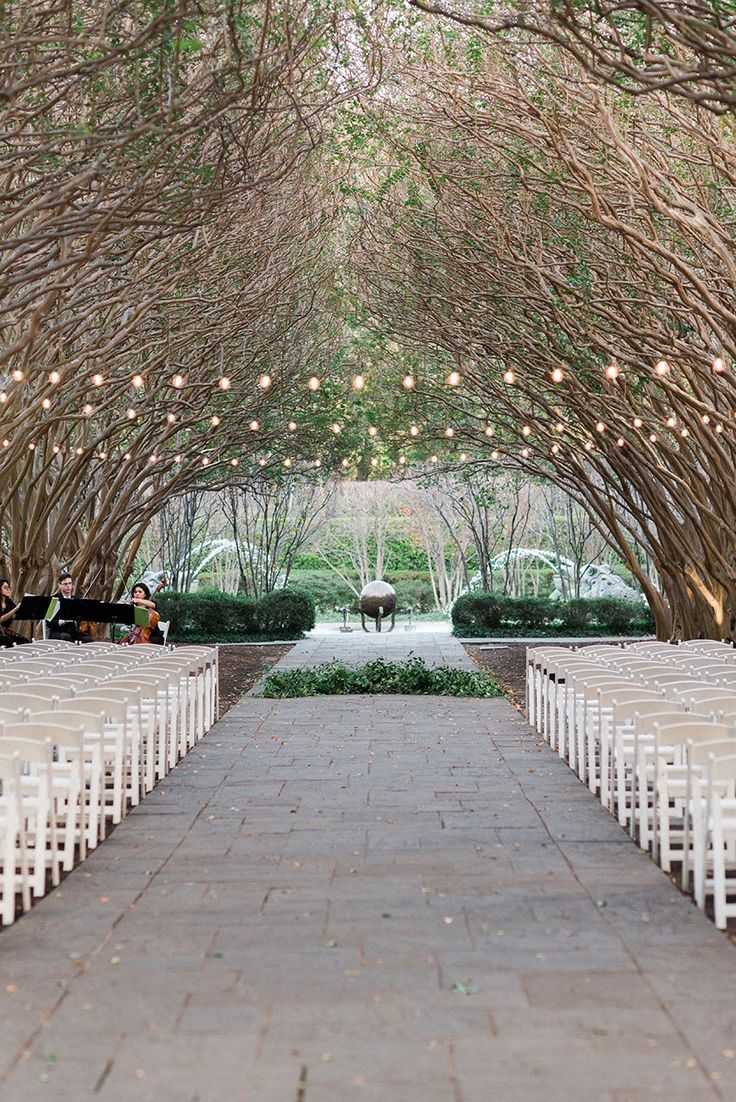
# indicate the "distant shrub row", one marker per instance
pixel 210 615
pixel 479 614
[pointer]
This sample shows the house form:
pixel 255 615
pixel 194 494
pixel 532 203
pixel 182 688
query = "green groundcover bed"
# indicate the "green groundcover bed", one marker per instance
pixel 412 677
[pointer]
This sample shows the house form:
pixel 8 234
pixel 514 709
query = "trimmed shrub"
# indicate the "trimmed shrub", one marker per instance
pixel 213 616
pixel 326 589
pixel 477 614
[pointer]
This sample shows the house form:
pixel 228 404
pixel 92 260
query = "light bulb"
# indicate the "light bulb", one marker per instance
pixel 344 463
pixel 234 462
pixel 613 371
pixel 671 421
pixel 588 445
pixel 54 377
pixel 414 430
pixel 374 462
pixel 620 441
pixel 261 462
pixel 558 375
pixel 600 427
pixel 18 375
pixel 719 428
pixel 661 367
pixel 224 382
pixel 137 381
pixel 178 381
pixel 287 462
pixel 56 449
pixel 373 431
pixel 253 426
pixel 526 431
pixel 291 426
pixel 87 410
pixel 637 422
pixel 103 456
pixel 3 396
pixel 705 419
pixel 206 461
pixel 408 382
pixel 490 430
pixel 215 421
pixel 46 403
pixel 131 414
pixel 449 432
pixel 684 432
pixel 463 457
pixel 6 443
pixel 171 417
pixel 433 458
pixel 318 462
pixel 177 457
pixel 264 381
pixel 79 451
pixel 313 382
pixel 337 429
pixel 454 378
pixel 509 377
pixel 653 437
pixel 560 427
pixel 555 449
pixel 402 460
pixel 358 382
pixel 97 380
pixel 719 365
pixel 31 447
pixel 152 458
pixel 525 453
pixel 495 455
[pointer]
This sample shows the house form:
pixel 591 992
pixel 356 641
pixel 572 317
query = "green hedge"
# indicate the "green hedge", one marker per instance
pixel 475 615
pixel 210 615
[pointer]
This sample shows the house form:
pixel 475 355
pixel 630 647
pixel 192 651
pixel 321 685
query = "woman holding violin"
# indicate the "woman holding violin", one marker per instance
pixel 8 637
pixel 141 597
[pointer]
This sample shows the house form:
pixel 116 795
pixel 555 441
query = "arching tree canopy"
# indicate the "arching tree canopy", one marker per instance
pixel 240 238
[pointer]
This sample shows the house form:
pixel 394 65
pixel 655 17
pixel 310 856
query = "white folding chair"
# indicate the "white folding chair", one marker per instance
pixel 14 879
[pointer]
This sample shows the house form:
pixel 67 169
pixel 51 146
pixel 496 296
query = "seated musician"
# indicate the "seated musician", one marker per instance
pixel 141 596
pixel 8 637
pixel 67 629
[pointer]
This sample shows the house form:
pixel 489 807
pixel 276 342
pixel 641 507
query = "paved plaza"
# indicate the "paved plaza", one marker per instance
pixel 386 899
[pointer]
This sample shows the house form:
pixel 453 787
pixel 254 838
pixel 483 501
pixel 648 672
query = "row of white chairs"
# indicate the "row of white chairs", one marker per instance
pixel 651 728
pixel 85 732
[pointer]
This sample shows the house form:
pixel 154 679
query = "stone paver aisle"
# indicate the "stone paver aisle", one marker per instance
pixel 386 899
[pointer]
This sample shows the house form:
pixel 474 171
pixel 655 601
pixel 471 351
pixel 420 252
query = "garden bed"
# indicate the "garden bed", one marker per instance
pixel 413 678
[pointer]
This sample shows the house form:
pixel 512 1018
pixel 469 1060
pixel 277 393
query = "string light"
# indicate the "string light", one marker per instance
pixel 671 421
pixel 705 419
pixel 612 372
pixel 433 458
pixel 525 453
pixel 178 381
pixel 637 422
pixel 234 462
pixel 620 441
pixel 718 365
pixel 489 430
pixel 684 432
pixel 372 430
pixel 177 458
pixel 264 381
pixel 215 420
pixel 137 381
pixel 337 429
pixel 374 462
pixel 463 457
pixel 54 377
pixel 313 382
pixel 131 414
pixel 79 451
pixel 56 449
pixel 408 382
pixel 495 455
pixel 661 367
pixel 719 428
pixel 291 426
pixel 560 427
pixel 261 462
pixel 653 437
pixel 206 461
pixel 287 462
pixel 46 403
pixel 31 447
pixel 358 382
pixel 555 449
pixel 253 426
pixel 6 443
pixel 3 396
pixel 18 375
pixel 509 376
pixel 402 460
pixel 171 417
pixel 318 462
pixel 526 431
pixel 152 458
pixel 449 433
pixel 414 430
pixel 454 378
pixel 97 380
pixel 557 375
pixel 224 382
pixel 600 427
pixel 87 410
pixel 588 445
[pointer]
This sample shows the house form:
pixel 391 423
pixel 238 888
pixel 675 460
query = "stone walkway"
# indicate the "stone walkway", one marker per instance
pixel 384 899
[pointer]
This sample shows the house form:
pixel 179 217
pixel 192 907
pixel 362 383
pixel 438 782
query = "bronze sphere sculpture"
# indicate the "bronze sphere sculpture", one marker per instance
pixel 378 600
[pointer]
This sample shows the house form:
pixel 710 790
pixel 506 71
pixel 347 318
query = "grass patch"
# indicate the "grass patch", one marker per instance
pixel 413 678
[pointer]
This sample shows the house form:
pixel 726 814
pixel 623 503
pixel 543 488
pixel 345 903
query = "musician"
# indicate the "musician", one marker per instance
pixel 67 629
pixel 141 596
pixel 7 611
